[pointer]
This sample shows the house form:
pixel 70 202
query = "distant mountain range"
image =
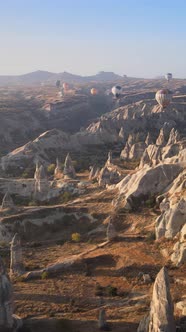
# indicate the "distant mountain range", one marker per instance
pixel 40 76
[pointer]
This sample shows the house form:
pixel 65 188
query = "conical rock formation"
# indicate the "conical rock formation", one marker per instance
pixel 161 316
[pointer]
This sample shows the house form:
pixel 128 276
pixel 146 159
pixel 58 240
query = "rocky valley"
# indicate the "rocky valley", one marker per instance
pixel 93 214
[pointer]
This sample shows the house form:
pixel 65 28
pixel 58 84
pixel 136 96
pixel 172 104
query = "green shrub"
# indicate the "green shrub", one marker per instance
pixel 76 237
pixel 65 197
pixel 111 291
pixel 44 275
pixel 105 291
pixel 25 175
pixel 28 173
pixel 150 202
pixel 3 244
pixel 51 168
pixel 33 203
pixel 20 278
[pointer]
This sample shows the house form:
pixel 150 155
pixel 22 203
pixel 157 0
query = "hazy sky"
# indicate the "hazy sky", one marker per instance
pixel 142 38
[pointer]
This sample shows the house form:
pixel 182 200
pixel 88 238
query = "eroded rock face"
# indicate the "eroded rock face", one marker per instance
pixel 7 202
pixel 121 134
pixel 16 263
pixel 6 300
pixel 161 316
pixel 170 222
pixel 104 177
pixel 134 118
pixel 137 151
pixel 148 139
pixel 58 171
pixel 93 172
pixel 36 174
pixel 109 159
pixel 108 175
pixel 161 138
pixel 69 171
pixel 173 137
pixel 42 173
pixel 133 189
pixel 125 152
pixel 41 184
pixel 179 250
pixel 145 159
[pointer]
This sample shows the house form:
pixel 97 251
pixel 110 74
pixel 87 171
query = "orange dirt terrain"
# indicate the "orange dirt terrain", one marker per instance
pixel 108 278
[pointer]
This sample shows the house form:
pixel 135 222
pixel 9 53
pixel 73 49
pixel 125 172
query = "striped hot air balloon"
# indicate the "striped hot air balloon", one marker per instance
pixel 163 97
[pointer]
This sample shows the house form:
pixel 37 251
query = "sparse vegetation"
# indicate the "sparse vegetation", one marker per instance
pixel 44 275
pixel 65 197
pixel 76 237
pixel 34 203
pixel 111 291
pixel 150 203
pixel 105 291
pixel 3 244
pixel 50 169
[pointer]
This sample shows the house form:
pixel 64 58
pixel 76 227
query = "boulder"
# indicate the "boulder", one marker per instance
pixel 136 151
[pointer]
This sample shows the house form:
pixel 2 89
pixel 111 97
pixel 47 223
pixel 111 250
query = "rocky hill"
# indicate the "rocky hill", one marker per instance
pixel 41 76
pixel 136 121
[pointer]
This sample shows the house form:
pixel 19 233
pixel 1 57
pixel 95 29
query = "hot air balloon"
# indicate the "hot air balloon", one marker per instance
pixel 168 76
pixel 94 91
pixel 163 97
pixel 116 90
pixel 58 83
pixel 65 86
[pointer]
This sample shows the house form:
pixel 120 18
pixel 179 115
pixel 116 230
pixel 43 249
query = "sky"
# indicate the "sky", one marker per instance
pixel 141 38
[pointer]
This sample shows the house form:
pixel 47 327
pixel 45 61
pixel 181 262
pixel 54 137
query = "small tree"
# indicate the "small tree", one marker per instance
pixel 51 168
pixel 76 237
